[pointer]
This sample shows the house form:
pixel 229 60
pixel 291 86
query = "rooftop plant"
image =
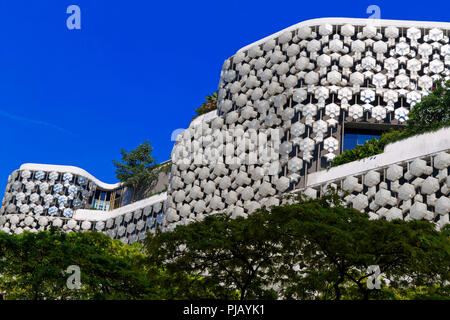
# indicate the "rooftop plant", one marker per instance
pixel 209 105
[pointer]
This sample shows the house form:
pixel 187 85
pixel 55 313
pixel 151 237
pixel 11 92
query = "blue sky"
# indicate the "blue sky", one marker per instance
pixel 136 70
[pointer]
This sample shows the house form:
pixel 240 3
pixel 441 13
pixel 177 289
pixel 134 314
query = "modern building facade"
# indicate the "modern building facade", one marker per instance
pixel 39 196
pixel 288 105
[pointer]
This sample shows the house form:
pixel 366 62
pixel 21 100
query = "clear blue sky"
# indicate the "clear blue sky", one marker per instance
pixel 136 70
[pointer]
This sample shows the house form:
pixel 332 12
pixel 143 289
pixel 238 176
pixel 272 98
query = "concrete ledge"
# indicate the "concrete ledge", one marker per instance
pixel 70 169
pixel 97 215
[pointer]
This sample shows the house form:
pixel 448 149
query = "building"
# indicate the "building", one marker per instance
pixel 288 105
pixel 39 196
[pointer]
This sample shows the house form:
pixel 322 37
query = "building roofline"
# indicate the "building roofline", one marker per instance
pixel 354 21
pixel 74 170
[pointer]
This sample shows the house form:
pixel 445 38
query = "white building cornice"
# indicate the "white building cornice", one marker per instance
pixel 352 21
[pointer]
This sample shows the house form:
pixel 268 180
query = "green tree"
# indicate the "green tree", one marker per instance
pixel 235 258
pixel 138 169
pixel 34 266
pixel 309 249
pixel 209 105
pixel 335 245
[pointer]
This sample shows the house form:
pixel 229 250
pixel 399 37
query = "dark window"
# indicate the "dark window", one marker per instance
pixel 127 196
pixel 351 140
pixel 357 137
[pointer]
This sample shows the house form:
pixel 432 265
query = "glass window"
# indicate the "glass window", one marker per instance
pixel 104 200
pixel 358 136
pixel 127 196
pixel 101 205
pixel 351 140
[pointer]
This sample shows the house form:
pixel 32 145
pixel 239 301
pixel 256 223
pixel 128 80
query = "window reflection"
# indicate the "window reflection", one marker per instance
pixel 351 140
pixel 107 200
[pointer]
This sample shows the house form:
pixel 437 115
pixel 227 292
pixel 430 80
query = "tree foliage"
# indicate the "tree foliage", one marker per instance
pixel 239 254
pixel 312 249
pixel 34 266
pixel 432 113
pixel 336 245
pixel 138 169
